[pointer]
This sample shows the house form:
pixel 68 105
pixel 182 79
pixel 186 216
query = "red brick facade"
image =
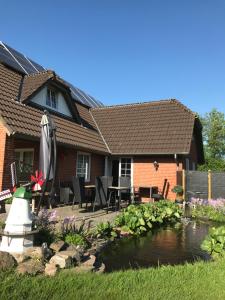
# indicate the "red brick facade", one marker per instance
pixel 145 173
pixel 66 163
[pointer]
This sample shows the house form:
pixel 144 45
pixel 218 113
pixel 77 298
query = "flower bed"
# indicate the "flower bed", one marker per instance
pixel 213 209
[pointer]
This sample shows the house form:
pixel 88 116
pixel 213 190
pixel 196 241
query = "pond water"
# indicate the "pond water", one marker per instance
pixel 169 245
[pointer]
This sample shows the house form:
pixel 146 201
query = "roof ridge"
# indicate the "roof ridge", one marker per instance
pixel 50 72
pixel 172 100
pixel 179 103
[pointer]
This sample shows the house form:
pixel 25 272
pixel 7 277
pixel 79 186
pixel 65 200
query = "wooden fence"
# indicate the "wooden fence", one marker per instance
pixel 205 185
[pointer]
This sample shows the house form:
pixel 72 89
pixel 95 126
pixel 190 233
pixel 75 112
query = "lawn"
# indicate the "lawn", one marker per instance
pixel 198 281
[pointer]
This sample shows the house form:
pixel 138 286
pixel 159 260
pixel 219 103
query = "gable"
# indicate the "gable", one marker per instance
pixel 40 99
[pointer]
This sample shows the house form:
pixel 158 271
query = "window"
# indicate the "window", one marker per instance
pixel 125 167
pixel 51 99
pixel 83 165
pixel 24 163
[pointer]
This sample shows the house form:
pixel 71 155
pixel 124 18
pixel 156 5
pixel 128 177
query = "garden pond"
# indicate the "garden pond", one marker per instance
pixel 173 244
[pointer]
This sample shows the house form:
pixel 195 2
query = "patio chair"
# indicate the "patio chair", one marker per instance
pixel 101 191
pixel 125 181
pixel 78 191
pixel 160 195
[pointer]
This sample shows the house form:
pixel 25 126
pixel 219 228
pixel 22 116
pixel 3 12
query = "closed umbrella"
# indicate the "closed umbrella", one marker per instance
pixel 45 149
pixel 47 155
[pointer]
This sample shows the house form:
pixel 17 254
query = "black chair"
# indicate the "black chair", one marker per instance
pixel 160 195
pixel 101 191
pixel 125 181
pixel 78 191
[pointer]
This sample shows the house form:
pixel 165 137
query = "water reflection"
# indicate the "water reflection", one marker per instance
pixel 168 245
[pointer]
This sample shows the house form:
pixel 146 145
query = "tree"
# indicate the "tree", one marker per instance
pixel 214 134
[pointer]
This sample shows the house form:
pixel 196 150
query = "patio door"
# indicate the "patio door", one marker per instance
pixel 115 172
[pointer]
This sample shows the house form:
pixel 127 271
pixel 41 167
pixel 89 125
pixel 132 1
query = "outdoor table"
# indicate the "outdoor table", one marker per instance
pixel 91 186
pixel 150 188
pixel 36 195
pixel 119 189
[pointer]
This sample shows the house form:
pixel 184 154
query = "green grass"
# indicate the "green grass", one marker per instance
pixel 198 281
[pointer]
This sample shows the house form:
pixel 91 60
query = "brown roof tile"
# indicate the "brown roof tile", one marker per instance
pixel 25 120
pixel 158 127
pixel 34 81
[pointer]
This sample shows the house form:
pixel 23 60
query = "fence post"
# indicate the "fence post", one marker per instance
pixel 209 184
pixel 183 183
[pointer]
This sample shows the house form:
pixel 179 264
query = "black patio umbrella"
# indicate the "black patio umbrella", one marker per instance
pixel 47 155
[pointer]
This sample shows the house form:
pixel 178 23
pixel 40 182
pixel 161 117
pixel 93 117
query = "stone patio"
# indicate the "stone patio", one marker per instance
pixel 80 214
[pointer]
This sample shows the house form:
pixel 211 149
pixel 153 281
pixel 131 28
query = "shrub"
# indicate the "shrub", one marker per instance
pixel 178 189
pixel 76 239
pixel 214 243
pixel 140 219
pixel 106 231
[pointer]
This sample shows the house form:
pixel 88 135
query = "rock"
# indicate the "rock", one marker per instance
pixel 84 269
pixel 101 269
pixel 90 261
pixel 51 269
pixel 34 252
pixel 62 260
pixel 47 253
pixel 31 267
pixel 75 254
pixel 7 261
pixel 58 246
pixel 20 257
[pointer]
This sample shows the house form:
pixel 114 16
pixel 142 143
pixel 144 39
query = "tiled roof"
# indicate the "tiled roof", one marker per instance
pixel 157 127
pixel 32 82
pixel 25 120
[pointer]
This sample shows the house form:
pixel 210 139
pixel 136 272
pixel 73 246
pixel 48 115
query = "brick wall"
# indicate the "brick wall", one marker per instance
pixel 145 174
pixel 2 153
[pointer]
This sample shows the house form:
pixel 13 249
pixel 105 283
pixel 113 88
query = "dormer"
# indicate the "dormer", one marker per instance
pixel 45 90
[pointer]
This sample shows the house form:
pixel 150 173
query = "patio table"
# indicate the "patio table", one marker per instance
pixel 91 186
pixel 119 189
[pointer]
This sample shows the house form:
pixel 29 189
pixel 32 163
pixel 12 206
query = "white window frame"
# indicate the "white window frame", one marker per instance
pixel 131 167
pixel 87 178
pixel 50 104
pixel 22 150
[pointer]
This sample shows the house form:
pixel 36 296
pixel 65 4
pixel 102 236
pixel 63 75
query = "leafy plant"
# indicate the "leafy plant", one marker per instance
pixel 106 231
pixel 140 219
pixel 214 243
pixel 178 189
pixel 76 239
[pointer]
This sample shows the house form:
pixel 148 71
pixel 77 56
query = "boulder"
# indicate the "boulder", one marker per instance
pixel 20 257
pixel 7 261
pixel 34 252
pixel 63 260
pixel 58 246
pixel 51 269
pixel 83 269
pixel 100 269
pixel 31 267
pixel 75 254
pixel 90 261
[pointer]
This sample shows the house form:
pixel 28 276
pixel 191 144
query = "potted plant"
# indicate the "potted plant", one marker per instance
pixel 178 189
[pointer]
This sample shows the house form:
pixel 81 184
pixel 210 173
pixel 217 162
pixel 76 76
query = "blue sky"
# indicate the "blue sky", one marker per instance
pixel 124 51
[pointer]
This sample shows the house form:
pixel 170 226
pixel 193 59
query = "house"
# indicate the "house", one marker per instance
pixel 148 141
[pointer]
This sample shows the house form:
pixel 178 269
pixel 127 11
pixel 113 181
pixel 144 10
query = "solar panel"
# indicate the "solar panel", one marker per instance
pixel 6 58
pixel 18 61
